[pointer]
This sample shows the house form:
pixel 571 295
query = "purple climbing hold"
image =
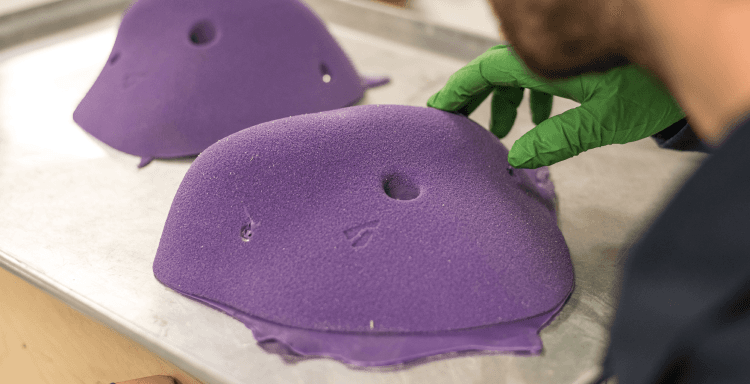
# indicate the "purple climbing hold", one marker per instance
pixel 380 234
pixel 184 74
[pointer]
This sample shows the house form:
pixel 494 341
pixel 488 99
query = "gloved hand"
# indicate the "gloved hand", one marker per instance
pixel 622 105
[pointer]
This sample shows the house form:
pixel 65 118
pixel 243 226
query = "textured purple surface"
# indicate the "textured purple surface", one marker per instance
pixel 184 73
pixel 294 222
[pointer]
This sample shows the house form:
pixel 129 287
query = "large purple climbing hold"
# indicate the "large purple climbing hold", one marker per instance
pixel 375 235
pixel 185 73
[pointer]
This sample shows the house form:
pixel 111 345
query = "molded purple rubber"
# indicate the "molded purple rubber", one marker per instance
pixel 379 349
pixel 345 233
pixel 185 73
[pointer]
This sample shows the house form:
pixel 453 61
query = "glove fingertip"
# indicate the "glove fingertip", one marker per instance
pixel 541 106
pixel 431 102
pixel 518 158
pixel 500 129
pixel 541 112
pixel 528 164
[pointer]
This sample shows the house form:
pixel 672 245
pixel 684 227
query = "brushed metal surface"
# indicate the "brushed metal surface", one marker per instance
pixel 375 19
pixel 80 221
pixel 11 6
pixel 43 17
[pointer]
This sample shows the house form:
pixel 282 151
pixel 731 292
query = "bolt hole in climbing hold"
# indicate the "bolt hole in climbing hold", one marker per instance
pixel 397 186
pixel 326 73
pixel 246 232
pixel 113 59
pixel 510 170
pixel 202 33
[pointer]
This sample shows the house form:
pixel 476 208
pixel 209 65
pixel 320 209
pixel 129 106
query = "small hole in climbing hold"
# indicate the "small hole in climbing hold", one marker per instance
pixel 397 186
pixel 113 59
pixel 246 232
pixel 510 170
pixel 202 33
pixel 325 73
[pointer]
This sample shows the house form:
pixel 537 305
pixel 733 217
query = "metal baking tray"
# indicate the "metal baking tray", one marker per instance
pixel 80 221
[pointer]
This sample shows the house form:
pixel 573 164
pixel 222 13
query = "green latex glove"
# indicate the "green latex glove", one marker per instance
pixel 622 105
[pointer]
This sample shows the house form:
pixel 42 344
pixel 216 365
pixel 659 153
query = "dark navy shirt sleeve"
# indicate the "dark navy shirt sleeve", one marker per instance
pixel 681 137
pixel 684 307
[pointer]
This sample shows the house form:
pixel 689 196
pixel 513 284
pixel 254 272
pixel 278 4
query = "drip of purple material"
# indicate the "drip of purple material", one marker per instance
pixel 379 349
pixel 375 235
pixel 374 81
pixel 185 73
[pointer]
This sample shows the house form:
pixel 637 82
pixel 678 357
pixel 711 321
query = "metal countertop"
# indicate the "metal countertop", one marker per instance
pixel 81 222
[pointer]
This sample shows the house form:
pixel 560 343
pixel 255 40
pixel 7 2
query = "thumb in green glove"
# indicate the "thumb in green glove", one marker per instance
pixel 622 105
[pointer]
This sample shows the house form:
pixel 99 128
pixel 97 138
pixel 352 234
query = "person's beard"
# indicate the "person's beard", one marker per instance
pixel 563 38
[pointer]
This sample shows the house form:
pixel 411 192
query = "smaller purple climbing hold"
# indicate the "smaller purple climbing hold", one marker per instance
pixel 185 73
